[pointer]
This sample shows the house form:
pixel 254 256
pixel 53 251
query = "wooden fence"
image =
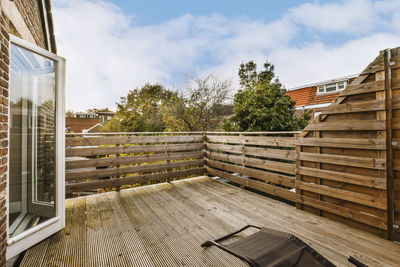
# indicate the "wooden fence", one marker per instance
pixel 344 157
pixel 95 161
pixel 264 161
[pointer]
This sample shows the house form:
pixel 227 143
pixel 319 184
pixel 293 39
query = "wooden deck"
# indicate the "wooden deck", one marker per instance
pixel 164 225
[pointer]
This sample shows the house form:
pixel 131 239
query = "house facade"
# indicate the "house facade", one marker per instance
pixel 317 96
pixel 81 125
pixel 31 126
pixel 88 122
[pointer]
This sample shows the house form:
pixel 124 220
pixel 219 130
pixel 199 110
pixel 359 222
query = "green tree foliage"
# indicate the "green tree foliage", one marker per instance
pixel 140 110
pixel 261 103
pixel 153 108
pixel 69 114
pixel 94 110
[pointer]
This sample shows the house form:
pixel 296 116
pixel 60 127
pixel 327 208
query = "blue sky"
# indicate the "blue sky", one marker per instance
pixel 112 46
pixel 156 11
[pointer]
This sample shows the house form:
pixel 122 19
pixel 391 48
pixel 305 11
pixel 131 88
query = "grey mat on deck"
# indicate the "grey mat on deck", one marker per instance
pixel 269 247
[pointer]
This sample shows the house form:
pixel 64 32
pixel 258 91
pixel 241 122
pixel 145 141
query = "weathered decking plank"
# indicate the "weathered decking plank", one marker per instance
pixel 94 234
pixel 274 206
pixel 190 246
pixel 159 254
pixel 134 248
pixel 76 247
pixel 184 220
pixel 164 225
pixel 256 216
pixel 247 216
pixel 344 239
pixel 177 243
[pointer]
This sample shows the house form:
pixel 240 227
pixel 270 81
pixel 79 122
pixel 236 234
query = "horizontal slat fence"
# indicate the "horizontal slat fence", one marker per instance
pixel 264 161
pixel 342 156
pixel 98 161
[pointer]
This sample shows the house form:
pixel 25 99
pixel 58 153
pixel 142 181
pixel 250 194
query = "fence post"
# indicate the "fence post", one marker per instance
pixel 317 134
pixel 117 166
pixel 297 170
pixel 205 153
pixel 389 151
pixel 168 161
pixel 243 154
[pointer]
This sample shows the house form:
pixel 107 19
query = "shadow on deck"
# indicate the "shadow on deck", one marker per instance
pixel 164 225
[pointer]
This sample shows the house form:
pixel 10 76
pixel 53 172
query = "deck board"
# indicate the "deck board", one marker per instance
pixel 313 229
pixel 164 225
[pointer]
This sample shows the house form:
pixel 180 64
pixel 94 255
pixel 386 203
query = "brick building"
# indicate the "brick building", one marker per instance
pixel 81 125
pixel 318 96
pixel 90 121
pixel 31 119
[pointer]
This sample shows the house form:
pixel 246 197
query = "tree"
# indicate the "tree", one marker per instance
pixel 198 107
pixel 69 114
pixel 140 110
pixel 94 110
pixel 261 103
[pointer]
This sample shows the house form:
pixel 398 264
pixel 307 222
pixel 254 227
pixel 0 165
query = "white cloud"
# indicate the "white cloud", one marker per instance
pixel 317 61
pixel 351 16
pixel 107 54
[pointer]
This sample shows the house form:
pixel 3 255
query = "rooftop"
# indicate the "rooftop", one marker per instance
pixel 77 125
pixel 344 78
pixel 308 96
pixel 164 225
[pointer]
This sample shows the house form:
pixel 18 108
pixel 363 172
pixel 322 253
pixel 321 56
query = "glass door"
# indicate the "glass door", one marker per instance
pixel 36 145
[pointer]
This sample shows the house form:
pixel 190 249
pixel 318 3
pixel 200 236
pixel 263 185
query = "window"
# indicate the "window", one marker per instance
pixel 36 144
pixel 341 85
pixel 331 87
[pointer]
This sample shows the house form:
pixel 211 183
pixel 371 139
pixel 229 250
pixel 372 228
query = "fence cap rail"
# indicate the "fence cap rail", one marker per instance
pixel 182 133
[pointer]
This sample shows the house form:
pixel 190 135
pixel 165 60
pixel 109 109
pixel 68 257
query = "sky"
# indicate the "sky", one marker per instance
pixel 113 46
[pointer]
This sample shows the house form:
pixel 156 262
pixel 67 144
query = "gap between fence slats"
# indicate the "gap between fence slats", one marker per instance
pixel 101 162
pixel 131 180
pixel 262 175
pixel 259 186
pixel 130 149
pixel 146 168
pixel 114 140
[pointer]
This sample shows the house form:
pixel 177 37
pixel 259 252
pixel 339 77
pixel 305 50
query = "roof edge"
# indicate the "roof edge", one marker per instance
pixel 323 82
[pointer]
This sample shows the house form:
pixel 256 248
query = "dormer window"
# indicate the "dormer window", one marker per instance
pixel 331 87
pixel 341 85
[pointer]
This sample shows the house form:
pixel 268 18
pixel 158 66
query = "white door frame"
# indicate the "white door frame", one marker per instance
pixel 43 230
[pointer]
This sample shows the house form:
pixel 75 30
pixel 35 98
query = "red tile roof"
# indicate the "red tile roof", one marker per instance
pixel 308 96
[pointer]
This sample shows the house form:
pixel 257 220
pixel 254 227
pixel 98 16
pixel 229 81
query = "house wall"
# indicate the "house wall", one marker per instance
pixel 4 64
pixel 21 18
pixel 77 125
pixel 308 96
pixel 29 9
